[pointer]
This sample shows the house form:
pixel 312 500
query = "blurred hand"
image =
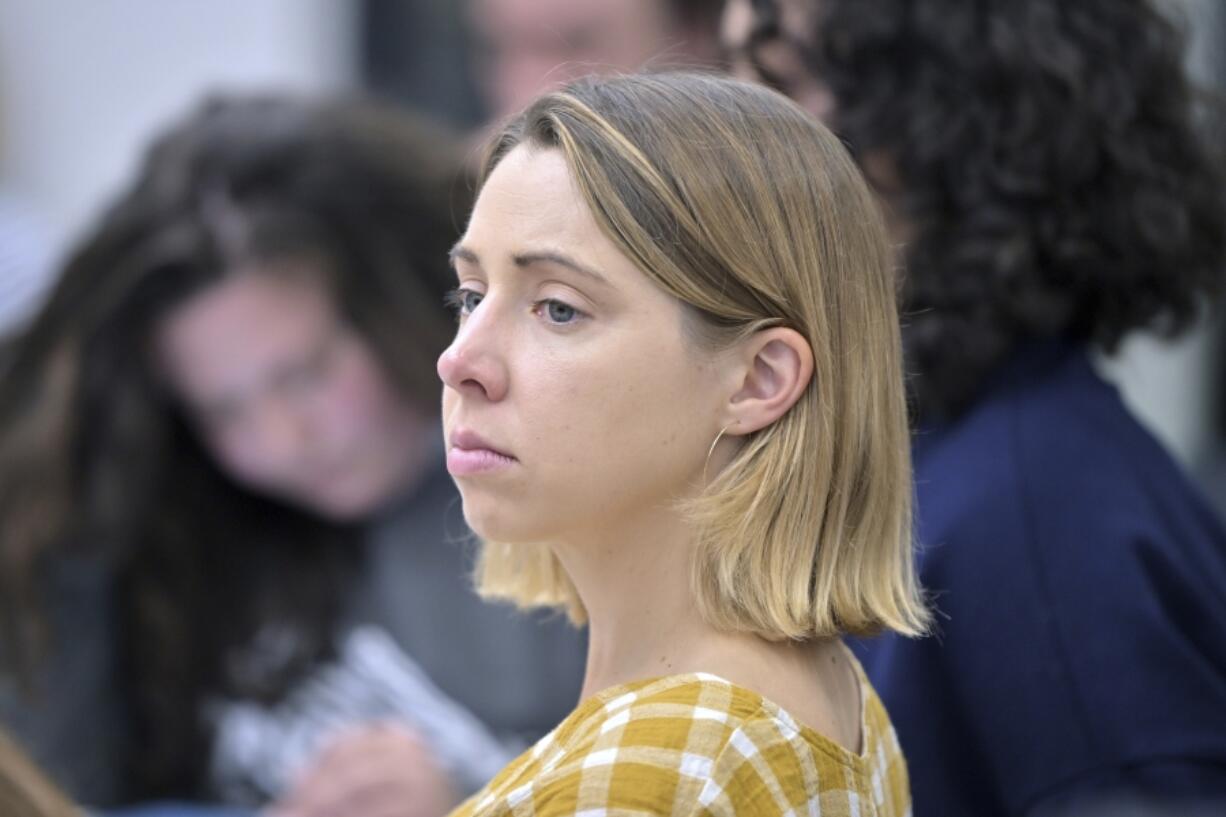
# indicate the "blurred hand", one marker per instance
pixel 381 770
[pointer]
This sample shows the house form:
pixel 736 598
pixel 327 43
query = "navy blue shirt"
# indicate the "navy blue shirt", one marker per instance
pixel 1080 588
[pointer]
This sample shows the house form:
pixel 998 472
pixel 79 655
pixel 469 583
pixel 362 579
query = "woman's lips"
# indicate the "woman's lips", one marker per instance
pixel 469 454
pixel 463 462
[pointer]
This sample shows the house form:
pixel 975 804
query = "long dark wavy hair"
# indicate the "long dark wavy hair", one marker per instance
pixel 96 455
pixel 1049 157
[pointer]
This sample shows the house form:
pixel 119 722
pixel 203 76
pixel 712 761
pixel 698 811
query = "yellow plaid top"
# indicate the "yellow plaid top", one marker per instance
pixel 698 745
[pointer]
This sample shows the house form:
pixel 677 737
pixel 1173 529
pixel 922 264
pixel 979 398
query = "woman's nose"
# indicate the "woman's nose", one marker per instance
pixel 472 365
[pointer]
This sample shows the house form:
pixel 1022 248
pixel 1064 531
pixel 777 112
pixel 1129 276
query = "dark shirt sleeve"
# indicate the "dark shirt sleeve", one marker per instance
pixel 1132 565
pixel 1175 788
pixel 1080 584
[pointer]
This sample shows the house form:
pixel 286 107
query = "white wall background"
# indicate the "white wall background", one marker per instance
pixel 85 83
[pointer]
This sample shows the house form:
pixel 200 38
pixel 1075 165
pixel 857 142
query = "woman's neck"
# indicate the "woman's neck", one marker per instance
pixel 635 583
pixel 643 621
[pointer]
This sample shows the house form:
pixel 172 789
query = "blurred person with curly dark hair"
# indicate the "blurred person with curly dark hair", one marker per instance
pixel 218 450
pixel 1051 190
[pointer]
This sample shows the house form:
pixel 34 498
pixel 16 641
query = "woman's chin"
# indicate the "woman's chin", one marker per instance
pixel 495 522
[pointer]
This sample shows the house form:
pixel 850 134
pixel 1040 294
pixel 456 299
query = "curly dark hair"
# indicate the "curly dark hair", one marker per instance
pixel 1048 160
pixel 96 454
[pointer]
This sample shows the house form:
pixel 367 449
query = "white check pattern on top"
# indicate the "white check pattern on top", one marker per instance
pixel 696 745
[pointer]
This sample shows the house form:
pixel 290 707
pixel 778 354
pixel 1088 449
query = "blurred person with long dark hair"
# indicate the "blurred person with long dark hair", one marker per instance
pixel 218 449
pixel 1051 192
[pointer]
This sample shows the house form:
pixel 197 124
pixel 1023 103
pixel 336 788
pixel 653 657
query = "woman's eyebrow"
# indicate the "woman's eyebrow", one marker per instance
pixel 554 257
pixel 464 254
pixel 527 259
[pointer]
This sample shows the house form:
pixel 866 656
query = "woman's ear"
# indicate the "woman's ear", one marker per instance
pixel 777 367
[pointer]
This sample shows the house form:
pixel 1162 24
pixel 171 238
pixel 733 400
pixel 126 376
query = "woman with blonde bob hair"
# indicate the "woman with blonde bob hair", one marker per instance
pixel 674 407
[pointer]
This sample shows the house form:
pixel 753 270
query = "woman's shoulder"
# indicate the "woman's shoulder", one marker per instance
pixel 693 744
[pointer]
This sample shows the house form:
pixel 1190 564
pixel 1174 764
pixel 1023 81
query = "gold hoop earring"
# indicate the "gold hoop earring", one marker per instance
pixel 711 450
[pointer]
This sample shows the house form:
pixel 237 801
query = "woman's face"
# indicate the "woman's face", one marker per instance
pixel 287 397
pixel 574 401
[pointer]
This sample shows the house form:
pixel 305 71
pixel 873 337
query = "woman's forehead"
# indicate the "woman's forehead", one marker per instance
pixel 530 205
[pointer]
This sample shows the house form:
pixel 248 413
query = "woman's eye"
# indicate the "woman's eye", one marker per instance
pixel 463 301
pixel 558 312
pixel 471 300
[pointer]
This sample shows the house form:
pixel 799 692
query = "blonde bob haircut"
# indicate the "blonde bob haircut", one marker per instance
pixel 735 202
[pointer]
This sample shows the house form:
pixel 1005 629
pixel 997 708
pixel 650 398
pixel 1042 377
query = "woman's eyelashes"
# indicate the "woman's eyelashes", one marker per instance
pixel 464 301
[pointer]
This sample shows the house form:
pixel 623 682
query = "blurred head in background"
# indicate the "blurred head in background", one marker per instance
pixel 268 281
pixel 1042 161
pixel 236 364
pixel 527 47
